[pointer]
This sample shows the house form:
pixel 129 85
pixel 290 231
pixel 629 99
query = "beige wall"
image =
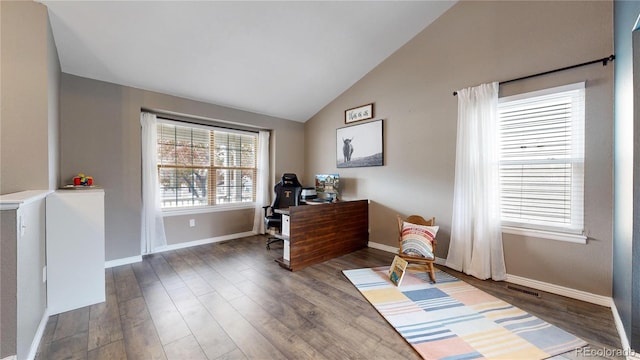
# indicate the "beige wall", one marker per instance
pixel 28 114
pixel 474 42
pixel 477 42
pixel 100 136
pixel 30 74
pixel 208 225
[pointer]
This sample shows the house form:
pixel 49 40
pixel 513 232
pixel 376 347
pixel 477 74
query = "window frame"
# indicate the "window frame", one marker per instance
pixel 212 168
pixel 574 231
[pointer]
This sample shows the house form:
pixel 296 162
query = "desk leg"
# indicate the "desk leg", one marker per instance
pixel 286 254
pixel 286 226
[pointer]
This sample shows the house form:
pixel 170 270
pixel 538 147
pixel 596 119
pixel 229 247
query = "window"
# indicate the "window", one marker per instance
pixel 205 166
pixel 542 159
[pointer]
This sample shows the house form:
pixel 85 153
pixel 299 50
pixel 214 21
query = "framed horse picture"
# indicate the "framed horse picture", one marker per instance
pixel 360 145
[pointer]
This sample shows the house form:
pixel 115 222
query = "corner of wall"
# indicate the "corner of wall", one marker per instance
pixel 53 82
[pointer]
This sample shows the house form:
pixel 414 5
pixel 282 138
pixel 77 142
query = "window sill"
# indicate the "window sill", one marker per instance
pixel 207 209
pixel 543 234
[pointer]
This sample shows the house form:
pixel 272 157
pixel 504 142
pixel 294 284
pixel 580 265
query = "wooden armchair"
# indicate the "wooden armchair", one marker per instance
pixel 426 234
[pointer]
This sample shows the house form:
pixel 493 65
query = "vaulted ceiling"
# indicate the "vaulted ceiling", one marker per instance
pixel 280 58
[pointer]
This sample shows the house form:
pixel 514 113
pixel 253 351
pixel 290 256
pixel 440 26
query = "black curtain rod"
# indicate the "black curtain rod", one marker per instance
pixel 604 62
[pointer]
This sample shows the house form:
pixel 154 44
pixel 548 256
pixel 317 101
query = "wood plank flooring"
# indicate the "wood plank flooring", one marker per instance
pixel 230 300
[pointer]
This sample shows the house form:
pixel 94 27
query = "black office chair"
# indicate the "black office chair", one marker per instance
pixel 287 192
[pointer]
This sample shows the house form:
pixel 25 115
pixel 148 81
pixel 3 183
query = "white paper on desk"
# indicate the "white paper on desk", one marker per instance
pixel 286 250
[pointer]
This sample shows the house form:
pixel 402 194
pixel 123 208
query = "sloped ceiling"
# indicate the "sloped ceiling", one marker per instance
pixel 286 59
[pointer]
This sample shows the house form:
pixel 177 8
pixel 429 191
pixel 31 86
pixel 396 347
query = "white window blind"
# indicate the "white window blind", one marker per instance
pixel 204 166
pixel 542 159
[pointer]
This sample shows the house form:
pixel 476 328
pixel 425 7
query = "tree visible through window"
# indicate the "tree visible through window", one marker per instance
pixel 199 166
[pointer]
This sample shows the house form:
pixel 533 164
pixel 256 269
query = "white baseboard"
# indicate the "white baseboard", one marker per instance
pixel 37 337
pixel 138 258
pixel 123 261
pixel 624 341
pixel 10 357
pixel 441 261
pixel 383 247
pixel 204 241
pixel 535 284
pixel 560 290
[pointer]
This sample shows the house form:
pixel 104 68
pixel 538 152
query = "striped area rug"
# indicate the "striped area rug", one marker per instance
pixel 454 320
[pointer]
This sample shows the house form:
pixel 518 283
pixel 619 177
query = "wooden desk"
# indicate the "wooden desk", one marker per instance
pixel 318 233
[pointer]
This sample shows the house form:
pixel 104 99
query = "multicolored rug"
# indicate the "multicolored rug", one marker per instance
pixel 454 320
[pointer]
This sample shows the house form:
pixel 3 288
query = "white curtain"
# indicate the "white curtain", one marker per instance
pixel 262 182
pixel 476 237
pixel 153 235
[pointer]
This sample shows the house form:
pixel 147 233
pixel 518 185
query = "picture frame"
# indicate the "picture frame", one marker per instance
pixel 363 112
pixel 360 145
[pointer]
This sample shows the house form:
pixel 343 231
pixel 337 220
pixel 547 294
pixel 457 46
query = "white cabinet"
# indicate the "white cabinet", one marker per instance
pixel 23 297
pixel 75 249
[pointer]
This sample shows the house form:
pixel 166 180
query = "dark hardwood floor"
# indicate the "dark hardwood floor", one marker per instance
pixel 230 300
